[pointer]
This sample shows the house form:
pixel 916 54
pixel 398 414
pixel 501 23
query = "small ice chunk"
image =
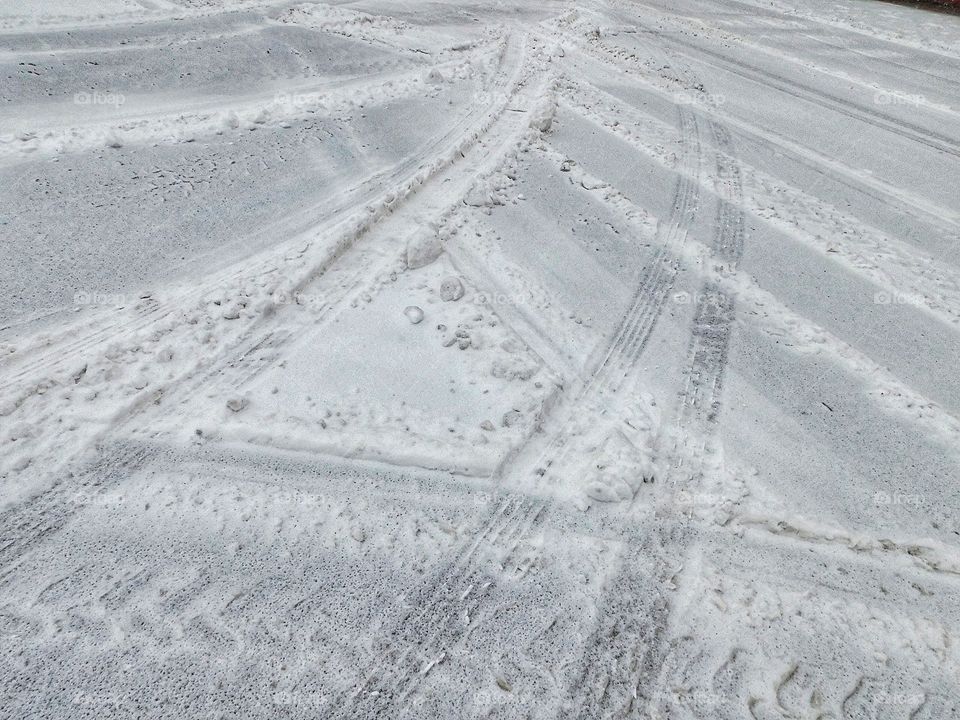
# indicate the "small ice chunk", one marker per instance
pixel 542 115
pixel 236 404
pixel 423 248
pixel 609 490
pixel 451 289
pixel 414 314
pixel 511 418
pixel 232 312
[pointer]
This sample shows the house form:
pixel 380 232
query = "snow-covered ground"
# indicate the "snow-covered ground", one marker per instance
pixel 422 359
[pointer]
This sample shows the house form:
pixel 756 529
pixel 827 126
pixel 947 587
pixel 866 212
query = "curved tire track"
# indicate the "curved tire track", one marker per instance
pixel 149 312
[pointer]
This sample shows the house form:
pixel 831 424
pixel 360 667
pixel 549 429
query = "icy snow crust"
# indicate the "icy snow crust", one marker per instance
pixel 434 360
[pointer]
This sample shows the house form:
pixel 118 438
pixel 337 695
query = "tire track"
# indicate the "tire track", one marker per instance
pixel 772 12
pixel 943 219
pixel 653 285
pixel 688 23
pixel 254 352
pixel 205 117
pixel 620 672
pixel 61 356
pixel 438 612
pixel 417 641
pixel 699 408
pixel 714 315
pixel 800 91
pixel 23 526
pixel 895 267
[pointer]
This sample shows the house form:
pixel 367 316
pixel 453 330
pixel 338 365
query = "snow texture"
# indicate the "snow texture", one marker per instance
pixel 397 359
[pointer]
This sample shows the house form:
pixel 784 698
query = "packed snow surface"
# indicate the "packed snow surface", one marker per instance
pixel 406 359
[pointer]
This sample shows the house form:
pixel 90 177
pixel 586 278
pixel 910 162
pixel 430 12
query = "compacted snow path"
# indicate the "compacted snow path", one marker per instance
pixel 428 360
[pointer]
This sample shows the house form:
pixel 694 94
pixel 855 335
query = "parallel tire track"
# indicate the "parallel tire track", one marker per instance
pixel 438 612
pixel 449 597
pixel 713 319
pixel 620 672
pixel 653 285
pixel 905 129
pixel 810 157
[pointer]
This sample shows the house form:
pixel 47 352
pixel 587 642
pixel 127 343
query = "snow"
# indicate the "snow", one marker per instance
pixel 396 359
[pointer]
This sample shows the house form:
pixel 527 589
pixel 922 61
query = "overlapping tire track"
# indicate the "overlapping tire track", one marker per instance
pixel 769 10
pixel 191 117
pixel 621 667
pixel 58 355
pixel 713 315
pixel 682 20
pixel 150 312
pixel 252 353
pixel 653 285
pixel 49 511
pixel 437 613
pixel 626 671
pixel 458 588
pixel 454 597
pixel 35 518
pixel 624 656
pixel 893 265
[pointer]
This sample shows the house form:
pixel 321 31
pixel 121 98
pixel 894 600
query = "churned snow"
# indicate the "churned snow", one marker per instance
pixel 397 359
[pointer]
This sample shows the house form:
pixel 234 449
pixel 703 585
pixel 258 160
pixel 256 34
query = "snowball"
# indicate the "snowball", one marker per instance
pixel 451 289
pixel 414 314
pixel 423 248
